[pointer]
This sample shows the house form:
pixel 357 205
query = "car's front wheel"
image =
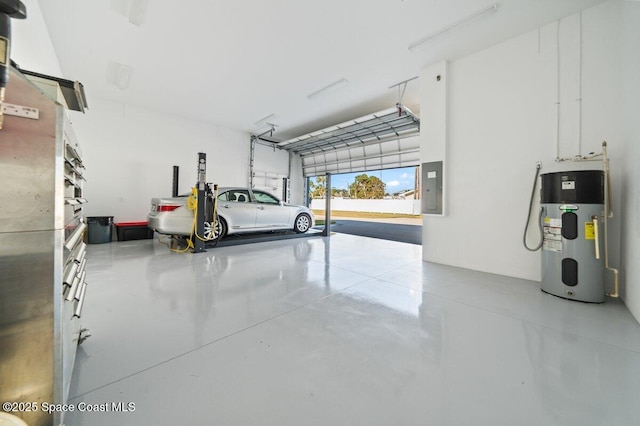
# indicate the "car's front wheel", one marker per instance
pixel 302 223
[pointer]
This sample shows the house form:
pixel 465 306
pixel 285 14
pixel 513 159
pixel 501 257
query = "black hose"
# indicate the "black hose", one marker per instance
pixel 526 228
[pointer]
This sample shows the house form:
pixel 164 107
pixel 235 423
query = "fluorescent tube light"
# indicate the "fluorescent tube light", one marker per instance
pixel 330 88
pixel 419 44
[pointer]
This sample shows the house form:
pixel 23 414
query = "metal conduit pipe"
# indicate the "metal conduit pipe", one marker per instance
pixel 579 100
pixel 608 213
pixel 558 91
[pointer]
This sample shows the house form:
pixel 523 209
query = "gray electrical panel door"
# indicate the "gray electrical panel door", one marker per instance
pixel 432 188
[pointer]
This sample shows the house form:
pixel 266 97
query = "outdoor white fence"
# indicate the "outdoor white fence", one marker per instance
pixel 370 206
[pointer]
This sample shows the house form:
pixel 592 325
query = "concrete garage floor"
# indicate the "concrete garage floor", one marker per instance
pixel 341 330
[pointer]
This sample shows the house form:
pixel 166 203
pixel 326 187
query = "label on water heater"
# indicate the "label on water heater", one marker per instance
pixel 552 236
pixel 553 223
pixel 571 184
pixel 550 244
pixel 589 231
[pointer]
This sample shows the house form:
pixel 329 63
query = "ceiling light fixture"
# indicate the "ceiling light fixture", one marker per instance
pixel 123 76
pixel 138 12
pixel 419 44
pixel 327 89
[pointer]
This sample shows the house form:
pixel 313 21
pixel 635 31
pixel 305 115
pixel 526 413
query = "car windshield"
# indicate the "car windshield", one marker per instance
pixel 263 197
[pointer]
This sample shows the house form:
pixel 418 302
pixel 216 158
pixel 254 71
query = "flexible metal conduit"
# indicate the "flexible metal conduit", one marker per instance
pixel 540 213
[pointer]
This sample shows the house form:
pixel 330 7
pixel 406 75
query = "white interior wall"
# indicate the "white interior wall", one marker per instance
pixel 298 181
pixel 630 211
pixel 501 119
pixel 513 132
pixel 270 166
pixel 31 44
pixel 276 162
pixel 495 133
pixel 130 153
pixel 434 83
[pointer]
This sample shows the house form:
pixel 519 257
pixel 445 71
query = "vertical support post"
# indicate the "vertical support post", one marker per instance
pixel 307 199
pixel 416 193
pixel 198 244
pixel 252 154
pixel 176 174
pixel 289 176
pixel 327 206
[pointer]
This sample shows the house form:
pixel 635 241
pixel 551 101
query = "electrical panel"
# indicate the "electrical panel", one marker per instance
pixel 432 184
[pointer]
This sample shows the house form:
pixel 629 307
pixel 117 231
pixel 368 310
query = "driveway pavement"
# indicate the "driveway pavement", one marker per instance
pixel 406 230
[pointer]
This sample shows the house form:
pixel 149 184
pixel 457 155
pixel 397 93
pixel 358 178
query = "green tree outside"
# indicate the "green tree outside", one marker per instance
pixel 317 189
pixel 367 187
pixel 363 187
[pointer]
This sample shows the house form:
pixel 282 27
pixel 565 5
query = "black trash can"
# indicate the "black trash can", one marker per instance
pixel 100 229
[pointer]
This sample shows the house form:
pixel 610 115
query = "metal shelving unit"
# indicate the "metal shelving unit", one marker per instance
pixel 42 253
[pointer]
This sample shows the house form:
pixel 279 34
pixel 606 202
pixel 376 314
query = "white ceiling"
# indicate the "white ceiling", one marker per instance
pixel 234 62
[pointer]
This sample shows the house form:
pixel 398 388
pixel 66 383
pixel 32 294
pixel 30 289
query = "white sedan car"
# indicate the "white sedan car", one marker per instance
pixel 240 210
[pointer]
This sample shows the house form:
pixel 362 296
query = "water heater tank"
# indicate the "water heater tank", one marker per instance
pixel 572 259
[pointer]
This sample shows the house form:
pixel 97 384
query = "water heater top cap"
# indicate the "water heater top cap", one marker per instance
pixel 577 186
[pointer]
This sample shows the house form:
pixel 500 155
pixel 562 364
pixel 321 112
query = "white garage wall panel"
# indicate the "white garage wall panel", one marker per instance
pixel 270 166
pixel 390 154
pixel 31 46
pixel 130 153
pixel 630 211
pixel 501 119
pixel 298 182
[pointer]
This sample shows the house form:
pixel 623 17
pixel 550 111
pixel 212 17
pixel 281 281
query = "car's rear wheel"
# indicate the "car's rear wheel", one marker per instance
pixel 302 223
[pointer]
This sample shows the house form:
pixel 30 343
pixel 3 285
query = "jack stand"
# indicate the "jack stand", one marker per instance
pixel 198 244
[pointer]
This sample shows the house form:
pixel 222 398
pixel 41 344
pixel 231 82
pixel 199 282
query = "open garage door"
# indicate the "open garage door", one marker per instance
pixel 366 157
pixel 384 140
